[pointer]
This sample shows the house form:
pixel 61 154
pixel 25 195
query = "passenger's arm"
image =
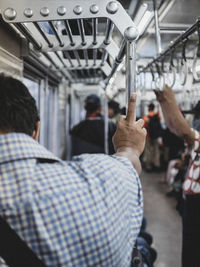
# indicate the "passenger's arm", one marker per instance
pixel 173 117
pixel 129 139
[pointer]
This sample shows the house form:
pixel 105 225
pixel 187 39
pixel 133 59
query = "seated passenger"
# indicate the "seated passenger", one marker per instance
pixel 86 212
pixel 191 187
pixel 88 136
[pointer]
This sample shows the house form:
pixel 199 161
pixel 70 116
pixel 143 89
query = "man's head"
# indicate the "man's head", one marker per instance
pixel 92 104
pixel 18 112
pixel 113 108
pixel 151 107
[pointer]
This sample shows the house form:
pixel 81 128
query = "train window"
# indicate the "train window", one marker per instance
pixel 33 88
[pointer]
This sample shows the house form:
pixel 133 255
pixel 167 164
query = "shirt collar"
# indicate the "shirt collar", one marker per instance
pixel 15 146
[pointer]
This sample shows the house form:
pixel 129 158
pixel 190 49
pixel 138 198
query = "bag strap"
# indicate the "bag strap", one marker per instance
pixel 136 260
pixel 14 250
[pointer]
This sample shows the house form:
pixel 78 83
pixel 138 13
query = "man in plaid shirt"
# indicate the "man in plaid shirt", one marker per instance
pixel 86 212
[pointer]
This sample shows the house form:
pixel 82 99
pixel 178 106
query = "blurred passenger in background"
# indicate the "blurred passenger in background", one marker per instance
pixel 88 136
pixel 113 111
pixel 154 131
pixel 196 119
pixel 191 187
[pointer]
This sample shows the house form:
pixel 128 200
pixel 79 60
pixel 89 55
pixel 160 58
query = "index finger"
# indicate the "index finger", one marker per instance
pixel 130 117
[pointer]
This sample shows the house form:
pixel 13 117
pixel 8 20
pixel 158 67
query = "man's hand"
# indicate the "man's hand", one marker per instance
pixel 173 117
pixel 130 135
pixel 165 95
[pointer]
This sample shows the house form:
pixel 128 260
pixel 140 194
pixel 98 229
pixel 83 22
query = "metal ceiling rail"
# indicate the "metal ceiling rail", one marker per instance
pixel 175 43
pixel 48 26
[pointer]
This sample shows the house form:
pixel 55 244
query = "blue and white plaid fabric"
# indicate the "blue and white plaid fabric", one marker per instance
pixel 86 212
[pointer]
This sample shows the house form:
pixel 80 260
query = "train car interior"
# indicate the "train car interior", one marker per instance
pixel 72 54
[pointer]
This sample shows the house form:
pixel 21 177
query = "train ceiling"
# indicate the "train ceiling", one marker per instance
pixel 175 16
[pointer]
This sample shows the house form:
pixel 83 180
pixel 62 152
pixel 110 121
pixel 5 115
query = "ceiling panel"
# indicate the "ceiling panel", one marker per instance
pixel 183 12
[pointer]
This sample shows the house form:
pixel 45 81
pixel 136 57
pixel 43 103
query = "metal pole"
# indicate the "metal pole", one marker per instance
pixel 43 34
pixel 106 122
pixel 94 30
pixel 50 60
pixel 56 33
pixel 23 29
pixel 61 60
pixel 94 56
pixel 109 31
pixel 131 35
pixel 130 70
pixel 104 57
pixel 157 30
pixel 118 60
pixel 180 39
pixel 69 58
pixel 69 32
pixel 81 31
pixel 85 53
pixel 77 57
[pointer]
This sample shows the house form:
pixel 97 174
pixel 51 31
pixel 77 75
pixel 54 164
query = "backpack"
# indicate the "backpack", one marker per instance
pixel 154 127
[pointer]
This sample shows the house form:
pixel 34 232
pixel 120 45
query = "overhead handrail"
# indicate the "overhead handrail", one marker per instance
pixel 171 72
pixel 175 43
pixel 48 24
pixel 43 34
pixel 196 56
pixel 23 29
pixel 94 30
pixel 56 33
pixel 69 32
pixel 183 72
pixel 81 31
pixel 109 32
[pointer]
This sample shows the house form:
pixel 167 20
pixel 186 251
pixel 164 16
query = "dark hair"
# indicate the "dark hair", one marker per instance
pixel 114 105
pixel 18 112
pixel 151 106
pixel 92 103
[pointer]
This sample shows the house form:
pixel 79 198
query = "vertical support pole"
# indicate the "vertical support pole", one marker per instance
pixel 130 68
pixel 157 30
pixel 131 34
pixel 106 128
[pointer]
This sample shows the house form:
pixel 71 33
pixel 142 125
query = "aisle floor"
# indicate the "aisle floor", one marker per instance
pixel 163 221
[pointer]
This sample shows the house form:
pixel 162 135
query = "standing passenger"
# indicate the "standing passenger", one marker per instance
pixel 191 187
pixel 152 151
pixel 88 136
pixel 86 212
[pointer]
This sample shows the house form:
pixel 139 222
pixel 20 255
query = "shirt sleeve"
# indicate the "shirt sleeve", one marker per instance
pixel 110 166
pixel 120 181
pixel 196 146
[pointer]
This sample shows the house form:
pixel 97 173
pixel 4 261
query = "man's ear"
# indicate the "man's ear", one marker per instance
pixel 36 131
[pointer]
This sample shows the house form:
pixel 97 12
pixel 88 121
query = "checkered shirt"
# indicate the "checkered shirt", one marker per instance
pixel 86 212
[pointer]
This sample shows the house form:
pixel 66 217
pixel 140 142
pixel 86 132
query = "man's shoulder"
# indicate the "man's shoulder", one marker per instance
pixel 16 146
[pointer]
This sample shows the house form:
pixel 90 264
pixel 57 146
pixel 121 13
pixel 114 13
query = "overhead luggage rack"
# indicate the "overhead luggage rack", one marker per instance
pixel 68 34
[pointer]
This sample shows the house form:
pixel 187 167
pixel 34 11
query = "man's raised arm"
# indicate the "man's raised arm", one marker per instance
pixel 173 117
pixel 129 139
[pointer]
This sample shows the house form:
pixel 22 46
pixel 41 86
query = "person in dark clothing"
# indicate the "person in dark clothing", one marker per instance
pixel 169 140
pixel 113 111
pixel 88 136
